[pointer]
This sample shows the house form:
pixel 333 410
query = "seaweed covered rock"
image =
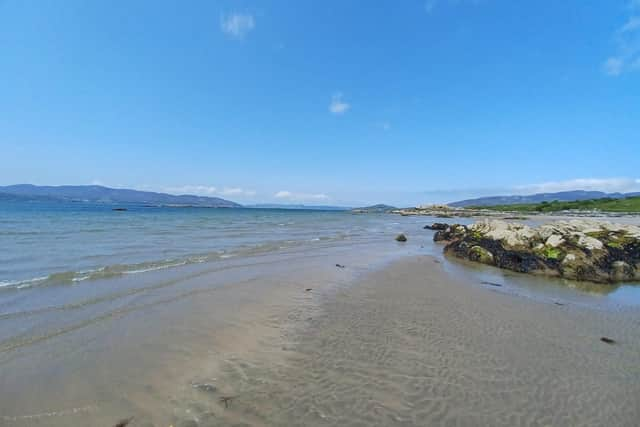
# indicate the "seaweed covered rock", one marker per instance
pixel 579 249
pixel 436 226
pixel 452 232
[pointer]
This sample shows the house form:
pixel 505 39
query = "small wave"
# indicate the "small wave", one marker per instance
pixel 106 272
pixel 22 283
pixel 156 267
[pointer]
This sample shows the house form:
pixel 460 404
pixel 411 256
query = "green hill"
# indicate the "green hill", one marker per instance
pixel 627 205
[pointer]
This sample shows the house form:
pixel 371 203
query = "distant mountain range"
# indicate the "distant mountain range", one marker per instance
pixel 564 196
pixel 100 194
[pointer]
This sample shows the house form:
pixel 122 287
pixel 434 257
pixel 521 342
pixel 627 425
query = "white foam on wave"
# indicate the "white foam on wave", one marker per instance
pixel 22 283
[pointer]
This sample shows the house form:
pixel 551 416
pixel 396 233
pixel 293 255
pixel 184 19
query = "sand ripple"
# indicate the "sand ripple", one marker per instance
pixel 408 347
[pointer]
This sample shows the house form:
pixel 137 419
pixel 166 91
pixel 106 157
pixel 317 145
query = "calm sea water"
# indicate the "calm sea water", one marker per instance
pixel 50 243
pixel 44 244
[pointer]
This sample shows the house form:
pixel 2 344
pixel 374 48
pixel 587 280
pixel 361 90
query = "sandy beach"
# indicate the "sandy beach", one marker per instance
pixel 402 343
pixel 409 346
pixel 395 334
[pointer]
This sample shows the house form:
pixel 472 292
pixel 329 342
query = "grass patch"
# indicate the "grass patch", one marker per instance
pixel 615 245
pixel 551 253
pixel 627 205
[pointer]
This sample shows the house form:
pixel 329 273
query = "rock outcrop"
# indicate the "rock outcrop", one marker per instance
pixel 436 226
pixel 579 249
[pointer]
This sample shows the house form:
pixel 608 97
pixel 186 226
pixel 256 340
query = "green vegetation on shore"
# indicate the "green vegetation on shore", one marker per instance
pixel 629 204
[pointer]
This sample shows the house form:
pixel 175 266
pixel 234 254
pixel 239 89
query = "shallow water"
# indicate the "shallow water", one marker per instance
pixel 105 314
pixel 50 243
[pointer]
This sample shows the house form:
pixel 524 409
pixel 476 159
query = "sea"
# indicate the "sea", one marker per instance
pixel 110 311
pixel 45 244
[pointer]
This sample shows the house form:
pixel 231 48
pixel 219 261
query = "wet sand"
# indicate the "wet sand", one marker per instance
pixel 409 346
pixel 136 346
pixel 388 340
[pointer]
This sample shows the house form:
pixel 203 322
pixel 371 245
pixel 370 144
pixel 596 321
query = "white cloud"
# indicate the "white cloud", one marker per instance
pixel 210 191
pixel 283 194
pixel 627 42
pixel 199 190
pixel 613 66
pixel 632 24
pixel 237 25
pixel 301 197
pixel 609 185
pixel 430 5
pixel 237 192
pixel 337 105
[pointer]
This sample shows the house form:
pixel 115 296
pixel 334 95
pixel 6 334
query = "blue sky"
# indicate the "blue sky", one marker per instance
pixel 332 102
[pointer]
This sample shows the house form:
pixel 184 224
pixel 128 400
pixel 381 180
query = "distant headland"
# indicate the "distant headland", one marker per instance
pixel 106 195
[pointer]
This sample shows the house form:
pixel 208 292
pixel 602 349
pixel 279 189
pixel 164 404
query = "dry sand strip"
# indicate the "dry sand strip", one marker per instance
pixel 408 346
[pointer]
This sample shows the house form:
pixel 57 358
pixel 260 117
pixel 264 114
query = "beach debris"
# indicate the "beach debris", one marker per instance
pixel 608 340
pixel 205 387
pixel 308 289
pixel 497 285
pixel 124 423
pixel 558 303
pixel 227 400
pixel 339 265
pixel 401 237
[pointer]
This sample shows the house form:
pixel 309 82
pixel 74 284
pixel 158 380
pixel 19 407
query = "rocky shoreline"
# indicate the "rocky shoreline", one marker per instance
pixel 451 212
pixel 583 250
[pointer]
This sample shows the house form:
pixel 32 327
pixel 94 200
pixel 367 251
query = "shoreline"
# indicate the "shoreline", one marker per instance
pixel 394 338
pixel 139 350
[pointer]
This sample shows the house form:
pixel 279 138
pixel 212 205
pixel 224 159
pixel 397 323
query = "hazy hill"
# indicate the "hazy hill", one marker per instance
pixel 564 196
pixel 380 208
pixel 100 194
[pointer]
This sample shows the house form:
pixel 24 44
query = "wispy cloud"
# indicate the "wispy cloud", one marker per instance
pixel 235 191
pixel 200 190
pixel 337 105
pixel 430 5
pixel 613 66
pixel 237 25
pixel 609 185
pixel 211 191
pixel 301 197
pixel 385 126
pixel 627 42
